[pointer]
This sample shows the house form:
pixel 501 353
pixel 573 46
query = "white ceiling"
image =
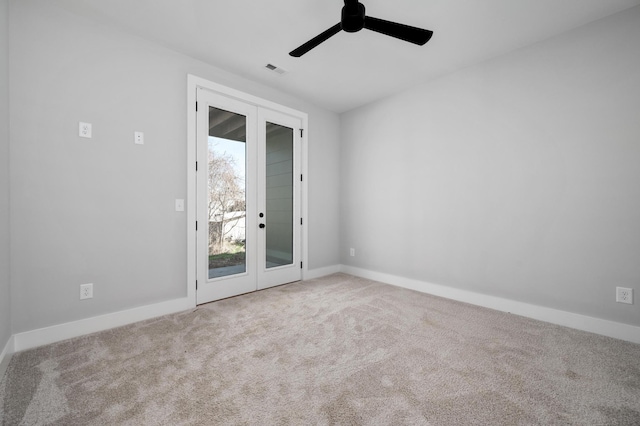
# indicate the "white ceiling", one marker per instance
pixel 349 70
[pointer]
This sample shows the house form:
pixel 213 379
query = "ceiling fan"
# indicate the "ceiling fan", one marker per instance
pixel 354 19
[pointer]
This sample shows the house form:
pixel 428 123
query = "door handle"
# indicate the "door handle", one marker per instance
pixel 262 225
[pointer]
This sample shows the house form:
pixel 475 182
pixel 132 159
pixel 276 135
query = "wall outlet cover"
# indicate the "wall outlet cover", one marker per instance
pixel 84 130
pixel 86 291
pixel 624 295
pixel 138 138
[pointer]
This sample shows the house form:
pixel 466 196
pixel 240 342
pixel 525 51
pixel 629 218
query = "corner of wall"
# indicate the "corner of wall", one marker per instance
pixel 6 339
pixel 5 356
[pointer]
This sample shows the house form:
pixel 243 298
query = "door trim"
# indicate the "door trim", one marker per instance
pixel 194 84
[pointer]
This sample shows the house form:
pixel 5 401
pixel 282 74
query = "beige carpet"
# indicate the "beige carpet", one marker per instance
pixel 336 350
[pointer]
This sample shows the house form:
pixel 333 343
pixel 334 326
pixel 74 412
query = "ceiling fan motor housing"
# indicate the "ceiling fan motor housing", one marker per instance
pixel 353 14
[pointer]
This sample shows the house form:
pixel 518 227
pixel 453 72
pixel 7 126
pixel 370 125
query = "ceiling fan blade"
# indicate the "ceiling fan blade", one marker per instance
pixel 403 32
pixel 316 41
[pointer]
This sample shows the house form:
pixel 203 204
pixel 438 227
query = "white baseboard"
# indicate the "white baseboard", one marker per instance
pixel 56 333
pixel 568 319
pixel 5 356
pixel 321 272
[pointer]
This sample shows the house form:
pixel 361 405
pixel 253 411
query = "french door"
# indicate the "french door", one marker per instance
pixel 248 197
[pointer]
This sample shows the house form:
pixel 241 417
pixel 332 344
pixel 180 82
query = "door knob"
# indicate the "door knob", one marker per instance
pixel 262 225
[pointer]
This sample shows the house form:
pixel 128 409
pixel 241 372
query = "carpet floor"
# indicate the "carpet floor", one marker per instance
pixel 334 350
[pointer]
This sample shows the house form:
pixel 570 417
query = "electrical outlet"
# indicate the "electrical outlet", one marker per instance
pixel 352 252
pixel 138 138
pixel 86 291
pixel 84 130
pixel 624 295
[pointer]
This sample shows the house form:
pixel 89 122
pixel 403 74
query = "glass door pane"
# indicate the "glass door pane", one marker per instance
pixel 279 195
pixel 227 201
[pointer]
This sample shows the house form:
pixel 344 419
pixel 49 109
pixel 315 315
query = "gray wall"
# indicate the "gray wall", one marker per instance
pixel 517 178
pixel 5 293
pixel 101 210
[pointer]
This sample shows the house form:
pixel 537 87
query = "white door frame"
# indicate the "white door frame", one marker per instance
pixel 194 84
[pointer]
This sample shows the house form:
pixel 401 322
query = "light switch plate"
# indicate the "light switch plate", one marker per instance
pixel 179 205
